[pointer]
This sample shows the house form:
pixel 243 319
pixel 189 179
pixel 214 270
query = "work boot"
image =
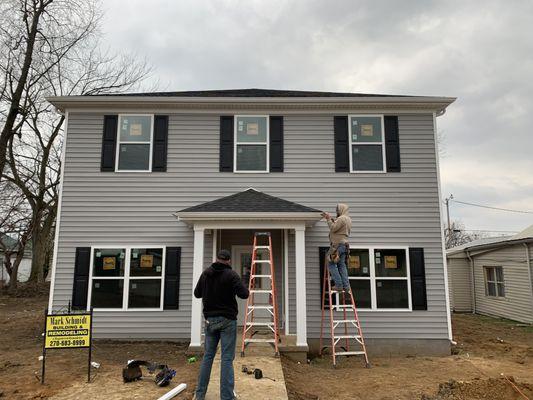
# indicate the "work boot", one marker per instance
pixel 336 289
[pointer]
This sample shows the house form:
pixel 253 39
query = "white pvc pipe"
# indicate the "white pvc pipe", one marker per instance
pixel 174 392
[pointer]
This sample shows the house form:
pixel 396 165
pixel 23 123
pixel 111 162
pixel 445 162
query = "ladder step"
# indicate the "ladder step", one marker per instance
pixel 349 353
pixel 263 247
pixel 260 323
pixel 260 291
pixel 342 307
pixel 344 321
pixel 261 276
pixel 260 307
pixel 259 340
pixel 347 337
pixel 262 262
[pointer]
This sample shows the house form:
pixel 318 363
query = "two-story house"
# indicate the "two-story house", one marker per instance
pixel 155 183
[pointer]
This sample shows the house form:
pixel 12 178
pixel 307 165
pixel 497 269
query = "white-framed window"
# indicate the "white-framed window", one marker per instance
pixel 126 278
pixel 367 143
pixel 380 278
pixel 494 282
pixel 134 143
pixel 251 151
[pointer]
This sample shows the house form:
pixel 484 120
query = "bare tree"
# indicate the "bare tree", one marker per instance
pixel 69 62
pixel 15 229
pixel 456 235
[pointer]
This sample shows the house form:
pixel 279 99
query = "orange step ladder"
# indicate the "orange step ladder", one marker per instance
pixel 250 315
pixel 352 333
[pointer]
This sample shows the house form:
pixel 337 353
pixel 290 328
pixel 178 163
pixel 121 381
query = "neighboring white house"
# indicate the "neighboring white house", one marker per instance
pixel 24 267
pixel 493 276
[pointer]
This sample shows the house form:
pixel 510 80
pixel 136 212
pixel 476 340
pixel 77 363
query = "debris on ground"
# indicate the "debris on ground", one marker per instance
pixel 492 388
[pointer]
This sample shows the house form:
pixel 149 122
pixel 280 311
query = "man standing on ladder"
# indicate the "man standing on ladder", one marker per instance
pixel 339 231
pixel 217 287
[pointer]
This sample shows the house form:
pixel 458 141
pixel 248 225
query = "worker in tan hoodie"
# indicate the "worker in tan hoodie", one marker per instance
pixel 339 231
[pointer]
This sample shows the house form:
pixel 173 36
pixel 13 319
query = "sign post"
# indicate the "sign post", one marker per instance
pixel 68 331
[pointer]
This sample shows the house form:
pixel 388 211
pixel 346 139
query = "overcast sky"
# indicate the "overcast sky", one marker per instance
pixel 480 52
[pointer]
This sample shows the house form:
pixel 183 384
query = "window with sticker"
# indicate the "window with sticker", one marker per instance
pixel 127 278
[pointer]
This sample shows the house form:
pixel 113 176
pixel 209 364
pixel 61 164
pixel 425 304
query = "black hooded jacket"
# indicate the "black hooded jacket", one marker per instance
pixel 217 287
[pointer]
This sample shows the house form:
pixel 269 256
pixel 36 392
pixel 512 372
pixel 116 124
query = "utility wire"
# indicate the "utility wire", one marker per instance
pixel 492 208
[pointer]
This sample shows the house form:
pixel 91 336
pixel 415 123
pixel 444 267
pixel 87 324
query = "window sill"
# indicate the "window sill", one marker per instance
pixel 126 310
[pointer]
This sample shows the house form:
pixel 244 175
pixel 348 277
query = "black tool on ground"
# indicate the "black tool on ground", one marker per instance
pixel 256 372
pixel 132 372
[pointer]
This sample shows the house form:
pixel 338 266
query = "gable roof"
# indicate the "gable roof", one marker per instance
pixel 253 92
pixel 525 235
pixel 249 201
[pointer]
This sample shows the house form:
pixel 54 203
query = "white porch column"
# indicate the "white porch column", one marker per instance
pixel 197 268
pixel 301 304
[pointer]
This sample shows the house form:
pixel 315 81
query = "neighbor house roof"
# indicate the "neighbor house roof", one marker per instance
pixel 479 244
pixel 250 201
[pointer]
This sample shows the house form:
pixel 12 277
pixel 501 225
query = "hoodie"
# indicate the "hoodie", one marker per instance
pixel 217 287
pixel 340 227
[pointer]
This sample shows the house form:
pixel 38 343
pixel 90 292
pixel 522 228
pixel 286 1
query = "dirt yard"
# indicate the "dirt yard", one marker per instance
pixel 486 349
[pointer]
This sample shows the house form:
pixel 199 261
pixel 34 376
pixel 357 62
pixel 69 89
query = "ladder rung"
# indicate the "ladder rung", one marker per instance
pixel 347 337
pixel 342 307
pixel 263 247
pixel 344 321
pixel 260 323
pixel 260 307
pixel 261 276
pixel 259 340
pixel 349 353
pixel 261 261
pixel 260 291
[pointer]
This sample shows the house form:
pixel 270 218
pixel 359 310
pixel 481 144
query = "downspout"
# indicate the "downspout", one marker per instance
pixel 473 282
pixel 530 273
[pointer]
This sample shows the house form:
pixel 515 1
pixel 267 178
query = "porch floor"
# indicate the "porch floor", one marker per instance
pixel 257 355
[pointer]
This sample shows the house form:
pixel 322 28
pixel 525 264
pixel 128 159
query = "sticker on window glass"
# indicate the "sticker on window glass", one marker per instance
pixel 367 130
pixel 134 286
pixel 391 262
pixel 379 284
pixel 354 262
pixel 365 270
pixel 96 285
pixel 121 255
pixel 158 268
pixel 378 260
pixel 134 254
pixel 252 128
pixel 147 261
pixel 136 129
pixel 239 150
pixel 354 136
pixel 98 254
pixel 109 263
pixel 241 126
pixel 354 122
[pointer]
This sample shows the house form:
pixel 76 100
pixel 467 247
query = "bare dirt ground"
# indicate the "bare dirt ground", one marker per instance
pixel 21 325
pixel 486 348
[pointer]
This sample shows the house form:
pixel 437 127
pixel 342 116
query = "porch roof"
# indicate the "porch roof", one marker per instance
pixel 249 205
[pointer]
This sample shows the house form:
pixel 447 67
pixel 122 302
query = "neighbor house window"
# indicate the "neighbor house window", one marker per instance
pixel 367 147
pixel 251 144
pixel 134 147
pixel 379 278
pixel 127 278
pixel 494 283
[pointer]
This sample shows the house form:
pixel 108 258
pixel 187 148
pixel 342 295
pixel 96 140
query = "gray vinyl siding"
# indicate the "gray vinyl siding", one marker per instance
pixel 460 284
pixel 517 303
pixel 135 208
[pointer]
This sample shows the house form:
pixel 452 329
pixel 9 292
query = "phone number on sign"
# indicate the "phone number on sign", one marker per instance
pixel 68 343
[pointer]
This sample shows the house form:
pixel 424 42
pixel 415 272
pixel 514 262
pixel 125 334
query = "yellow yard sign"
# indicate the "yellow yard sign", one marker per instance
pixel 67 331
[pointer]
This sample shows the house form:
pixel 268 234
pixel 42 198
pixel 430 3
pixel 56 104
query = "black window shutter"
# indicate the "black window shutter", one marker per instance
pixel 159 156
pixel 418 278
pixel 392 143
pixel 342 144
pixel 109 143
pixel 276 144
pixel 226 143
pixel 172 278
pixel 322 251
pixel 81 278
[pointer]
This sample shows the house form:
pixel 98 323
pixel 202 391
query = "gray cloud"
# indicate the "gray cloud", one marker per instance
pixel 481 52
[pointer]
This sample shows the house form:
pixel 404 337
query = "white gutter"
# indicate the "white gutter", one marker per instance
pixel 473 282
pixel 530 273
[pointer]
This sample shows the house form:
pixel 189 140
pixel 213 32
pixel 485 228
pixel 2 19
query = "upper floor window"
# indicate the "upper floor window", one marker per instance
pixel 367 144
pixel 494 283
pixel 134 147
pixel 251 143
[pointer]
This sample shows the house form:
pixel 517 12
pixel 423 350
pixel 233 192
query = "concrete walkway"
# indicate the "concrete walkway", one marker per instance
pixel 246 386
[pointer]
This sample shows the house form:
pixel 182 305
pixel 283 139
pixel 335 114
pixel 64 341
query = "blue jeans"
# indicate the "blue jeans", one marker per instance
pixel 223 330
pixel 338 271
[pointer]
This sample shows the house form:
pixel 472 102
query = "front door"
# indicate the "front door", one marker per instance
pixel 242 263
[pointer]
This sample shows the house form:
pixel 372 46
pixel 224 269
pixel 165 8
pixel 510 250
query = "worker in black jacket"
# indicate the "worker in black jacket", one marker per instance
pixel 217 287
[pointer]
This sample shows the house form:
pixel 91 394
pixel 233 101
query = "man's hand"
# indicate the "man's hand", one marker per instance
pixel 326 216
